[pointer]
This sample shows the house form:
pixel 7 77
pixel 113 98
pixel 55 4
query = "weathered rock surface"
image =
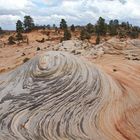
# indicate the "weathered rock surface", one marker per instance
pixel 11 57
pixel 114 46
pixel 58 96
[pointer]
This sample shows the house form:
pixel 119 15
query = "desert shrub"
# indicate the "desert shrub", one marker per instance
pixel 112 28
pixel 25 60
pixel 67 35
pixel 98 40
pixel 23 54
pixel 114 70
pixel 90 28
pixel 41 41
pixel 84 35
pixel 38 49
pixel 72 28
pixel 122 34
pixel 19 36
pixel 11 40
pixel 134 34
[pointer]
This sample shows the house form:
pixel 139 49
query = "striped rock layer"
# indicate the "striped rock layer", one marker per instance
pixel 58 96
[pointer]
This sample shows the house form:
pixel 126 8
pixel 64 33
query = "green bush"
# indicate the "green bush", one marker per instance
pixel 67 35
pixel 84 35
pixel 28 23
pixel 63 24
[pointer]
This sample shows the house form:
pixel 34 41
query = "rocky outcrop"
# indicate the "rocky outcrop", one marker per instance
pixel 113 46
pixel 58 96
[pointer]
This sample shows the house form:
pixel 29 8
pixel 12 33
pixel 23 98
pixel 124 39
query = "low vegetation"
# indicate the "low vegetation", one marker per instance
pixel 11 40
pixel 98 39
pixel 19 37
pixel 72 28
pixel 84 34
pixel 26 59
pixel 1 31
pixel 101 29
pixel 38 49
pixel 67 35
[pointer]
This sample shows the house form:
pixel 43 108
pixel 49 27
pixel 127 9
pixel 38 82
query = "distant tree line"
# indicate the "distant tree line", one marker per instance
pixel 113 28
pixel 101 28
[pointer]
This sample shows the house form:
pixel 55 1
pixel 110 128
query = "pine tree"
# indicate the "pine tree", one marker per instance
pixel 116 23
pixel 72 28
pixel 54 26
pixel 90 28
pixel 1 31
pixel 101 27
pixel 28 23
pixel 19 26
pixel 134 34
pixel 63 24
pixel 112 27
pixel 48 26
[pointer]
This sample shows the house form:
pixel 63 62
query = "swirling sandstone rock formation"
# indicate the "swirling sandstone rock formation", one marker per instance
pixel 60 97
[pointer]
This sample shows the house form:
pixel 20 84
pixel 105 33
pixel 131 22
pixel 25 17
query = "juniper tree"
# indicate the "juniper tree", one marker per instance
pixel 101 27
pixel 84 34
pixel 67 35
pixel 28 23
pixel 72 28
pixel 19 26
pixel 63 24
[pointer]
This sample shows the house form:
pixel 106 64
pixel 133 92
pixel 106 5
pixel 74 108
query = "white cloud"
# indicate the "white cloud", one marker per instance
pixel 13 4
pixel 12 10
pixel 74 11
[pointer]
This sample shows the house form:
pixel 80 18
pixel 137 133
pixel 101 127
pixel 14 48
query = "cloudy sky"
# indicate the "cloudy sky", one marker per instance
pixel 79 12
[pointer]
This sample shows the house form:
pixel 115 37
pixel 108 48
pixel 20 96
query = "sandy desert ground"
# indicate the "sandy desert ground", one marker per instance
pixel 72 90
